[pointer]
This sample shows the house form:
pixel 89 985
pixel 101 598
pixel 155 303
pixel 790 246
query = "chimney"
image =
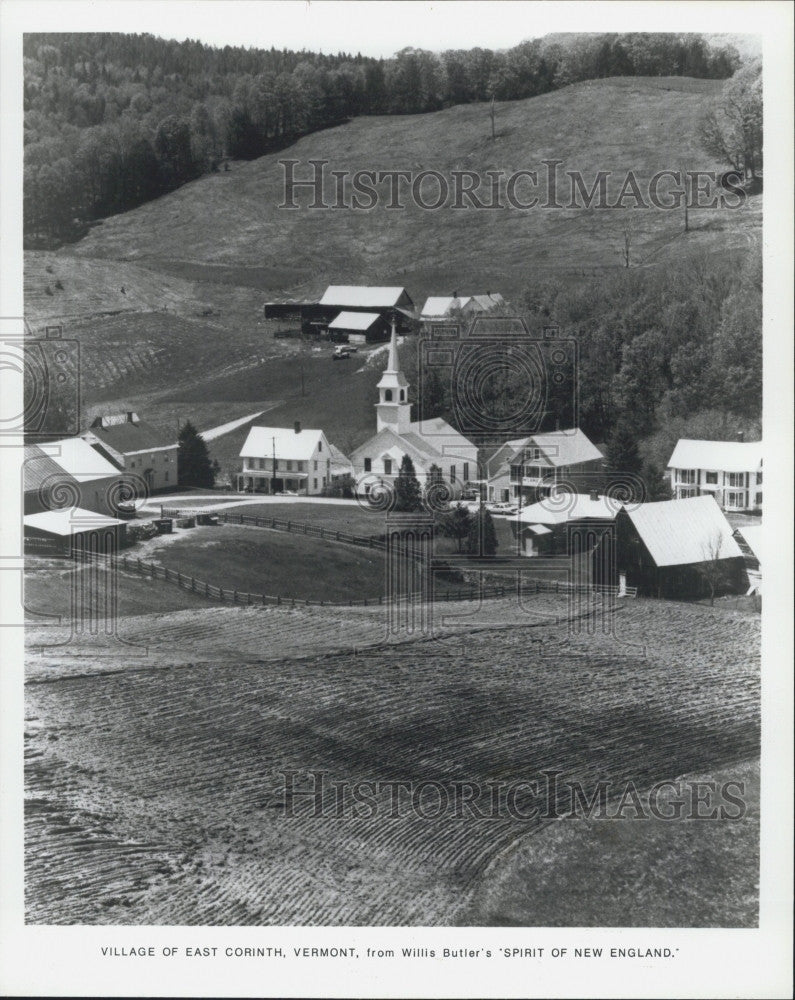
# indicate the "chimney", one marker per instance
pixel 297 426
pixel 741 436
pixel 455 294
pixel 594 494
pixel 130 417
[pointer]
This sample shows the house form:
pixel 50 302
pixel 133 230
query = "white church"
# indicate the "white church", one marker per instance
pixel 427 442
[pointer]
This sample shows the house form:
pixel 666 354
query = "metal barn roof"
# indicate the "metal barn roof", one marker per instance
pixel 441 305
pixel 679 532
pixel 374 297
pixel 354 321
pixel 716 456
pixel 77 458
pixel 563 506
pixel 68 520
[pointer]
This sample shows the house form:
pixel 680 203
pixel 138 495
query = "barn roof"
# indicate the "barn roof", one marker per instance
pixel 82 462
pixel 752 534
pixel 262 442
pixel 67 520
pixel 680 532
pixel 442 305
pixel 363 296
pixel 718 456
pixel 489 301
pixel 354 321
pixel 563 507
pixel 39 469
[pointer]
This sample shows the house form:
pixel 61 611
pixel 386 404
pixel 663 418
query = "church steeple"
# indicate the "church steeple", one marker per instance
pixel 393 409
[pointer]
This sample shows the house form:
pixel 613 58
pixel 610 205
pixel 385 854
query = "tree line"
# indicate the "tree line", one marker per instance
pixel 114 120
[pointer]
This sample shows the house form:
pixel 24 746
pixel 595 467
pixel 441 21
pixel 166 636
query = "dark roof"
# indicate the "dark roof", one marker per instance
pixel 129 437
pixel 40 469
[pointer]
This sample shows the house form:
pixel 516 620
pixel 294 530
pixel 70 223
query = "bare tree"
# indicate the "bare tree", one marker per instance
pixel 713 568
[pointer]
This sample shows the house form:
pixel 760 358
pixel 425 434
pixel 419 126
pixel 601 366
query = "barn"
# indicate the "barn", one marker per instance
pixel 71 531
pixel 676 549
pixel 358 328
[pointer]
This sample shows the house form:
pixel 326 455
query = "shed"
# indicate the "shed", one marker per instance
pixel 70 530
pixel 358 327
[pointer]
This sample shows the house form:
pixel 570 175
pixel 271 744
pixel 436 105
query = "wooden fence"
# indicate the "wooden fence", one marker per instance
pixel 203 588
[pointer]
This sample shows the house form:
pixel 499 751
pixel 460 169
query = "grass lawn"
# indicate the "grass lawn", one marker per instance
pixel 49 583
pixel 257 561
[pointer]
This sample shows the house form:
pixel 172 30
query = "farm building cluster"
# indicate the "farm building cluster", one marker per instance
pixel 546 485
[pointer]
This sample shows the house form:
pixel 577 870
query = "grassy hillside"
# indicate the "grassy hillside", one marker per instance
pixel 232 219
pixel 166 299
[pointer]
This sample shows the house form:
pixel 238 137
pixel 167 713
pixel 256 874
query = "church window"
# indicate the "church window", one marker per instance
pixel 388 395
pixel 402 395
pixel 368 465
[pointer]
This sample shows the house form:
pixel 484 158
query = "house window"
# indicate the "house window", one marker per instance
pixel 466 472
pixel 735 499
pixel 388 395
pixel 759 478
pixel 452 473
pixel 132 465
pixel 299 466
pixel 711 478
pixel 515 470
pixel 368 465
pixel 324 480
pixel 315 466
pixel 320 446
pixel 758 500
pixel 166 476
pixel 289 465
pixel 387 466
pixel 315 484
pixel 687 475
pixel 736 479
pixel 533 471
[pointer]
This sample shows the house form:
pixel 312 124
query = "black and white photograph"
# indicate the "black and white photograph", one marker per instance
pixel 397 498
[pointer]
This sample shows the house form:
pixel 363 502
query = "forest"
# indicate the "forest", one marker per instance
pixel 662 354
pixel 114 120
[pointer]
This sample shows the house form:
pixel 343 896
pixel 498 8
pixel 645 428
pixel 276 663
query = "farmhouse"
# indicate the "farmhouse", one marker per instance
pixel 729 471
pixel 545 527
pixel 441 308
pixel 70 473
pixel 429 443
pixel 535 465
pixel 296 460
pixel 674 549
pixel 358 327
pixel 136 447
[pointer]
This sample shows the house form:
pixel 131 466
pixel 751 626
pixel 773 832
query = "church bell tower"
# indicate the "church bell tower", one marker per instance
pixel 393 409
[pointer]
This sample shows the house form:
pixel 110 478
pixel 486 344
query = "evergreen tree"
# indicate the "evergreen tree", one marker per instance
pixel 193 459
pixel 482 538
pixel 622 449
pixel 407 487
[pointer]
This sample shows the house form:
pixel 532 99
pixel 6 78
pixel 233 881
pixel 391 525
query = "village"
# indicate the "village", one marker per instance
pixel 524 498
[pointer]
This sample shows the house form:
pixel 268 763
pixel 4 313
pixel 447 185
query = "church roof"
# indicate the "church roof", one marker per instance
pixel 415 446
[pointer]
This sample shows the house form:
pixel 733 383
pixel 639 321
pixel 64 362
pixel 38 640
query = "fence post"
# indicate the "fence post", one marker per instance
pixel 278 600
pixel 289 526
pixel 207 590
pixel 234 599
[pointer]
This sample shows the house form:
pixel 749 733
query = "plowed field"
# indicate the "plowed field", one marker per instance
pixel 156 793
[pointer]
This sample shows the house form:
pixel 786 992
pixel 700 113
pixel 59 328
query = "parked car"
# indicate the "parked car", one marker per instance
pixel 286 493
pixel 340 353
pixel 504 509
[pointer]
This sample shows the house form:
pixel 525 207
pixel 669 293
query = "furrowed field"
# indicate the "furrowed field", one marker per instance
pixel 156 788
